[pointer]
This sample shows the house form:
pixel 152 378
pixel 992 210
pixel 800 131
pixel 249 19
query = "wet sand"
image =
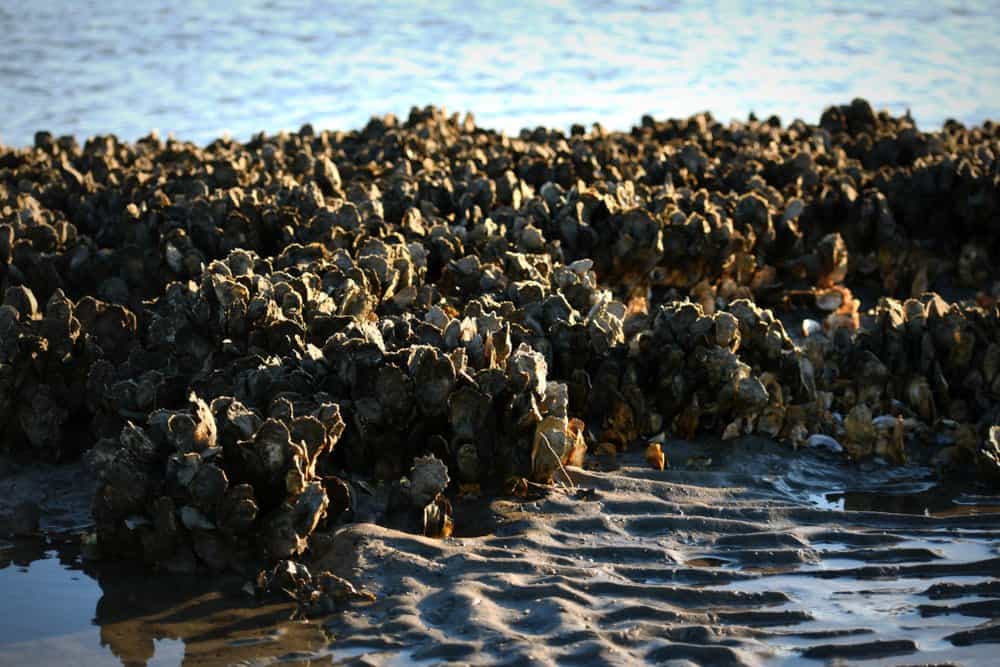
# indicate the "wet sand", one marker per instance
pixel 738 554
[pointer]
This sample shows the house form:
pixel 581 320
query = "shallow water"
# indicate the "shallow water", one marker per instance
pixel 57 610
pixel 199 69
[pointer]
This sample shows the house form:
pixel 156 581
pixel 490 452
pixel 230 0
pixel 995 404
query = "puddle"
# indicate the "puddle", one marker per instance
pixel 849 605
pixel 57 610
pixel 938 501
pixel 853 611
pixel 707 561
pixel 909 490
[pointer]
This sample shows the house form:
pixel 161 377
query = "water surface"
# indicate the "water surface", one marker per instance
pixel 61 610
pixel 199 69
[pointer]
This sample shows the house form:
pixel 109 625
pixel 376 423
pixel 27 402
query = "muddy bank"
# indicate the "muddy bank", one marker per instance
pixel 39 498
pixel 715 566
pixel 737 560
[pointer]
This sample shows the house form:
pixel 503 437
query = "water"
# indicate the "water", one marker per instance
pixel 199 69
pixel 58 609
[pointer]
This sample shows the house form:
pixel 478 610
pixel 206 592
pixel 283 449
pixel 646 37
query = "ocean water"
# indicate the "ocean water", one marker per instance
pixel 200 69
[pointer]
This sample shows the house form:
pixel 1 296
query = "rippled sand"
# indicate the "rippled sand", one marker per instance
pixel 736 555
pixel 710 567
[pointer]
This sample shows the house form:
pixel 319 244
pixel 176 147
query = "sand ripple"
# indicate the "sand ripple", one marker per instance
pixel 638 567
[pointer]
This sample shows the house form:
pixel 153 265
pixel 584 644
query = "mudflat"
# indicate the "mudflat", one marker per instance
pixel 750 558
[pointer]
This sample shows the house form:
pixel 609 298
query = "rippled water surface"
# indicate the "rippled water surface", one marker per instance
pixel 199 69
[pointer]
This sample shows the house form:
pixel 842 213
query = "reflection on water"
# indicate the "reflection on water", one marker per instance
pixel 823 482
pixel 198 69
pixel 57 610
pixel 936 501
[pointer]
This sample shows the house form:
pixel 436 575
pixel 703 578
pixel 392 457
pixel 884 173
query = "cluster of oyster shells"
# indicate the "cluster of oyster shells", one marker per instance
pixel 235 332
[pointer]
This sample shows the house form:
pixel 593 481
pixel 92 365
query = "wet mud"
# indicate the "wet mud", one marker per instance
pixel 713 567
pixel 741 561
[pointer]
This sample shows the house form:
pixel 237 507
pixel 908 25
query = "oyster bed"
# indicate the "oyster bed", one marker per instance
pixel 243 340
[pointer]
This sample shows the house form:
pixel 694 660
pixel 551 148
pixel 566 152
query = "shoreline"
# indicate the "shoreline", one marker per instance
pixel 510 132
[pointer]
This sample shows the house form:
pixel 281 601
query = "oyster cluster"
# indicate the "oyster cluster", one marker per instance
pixel 232 333
pixel 51 357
